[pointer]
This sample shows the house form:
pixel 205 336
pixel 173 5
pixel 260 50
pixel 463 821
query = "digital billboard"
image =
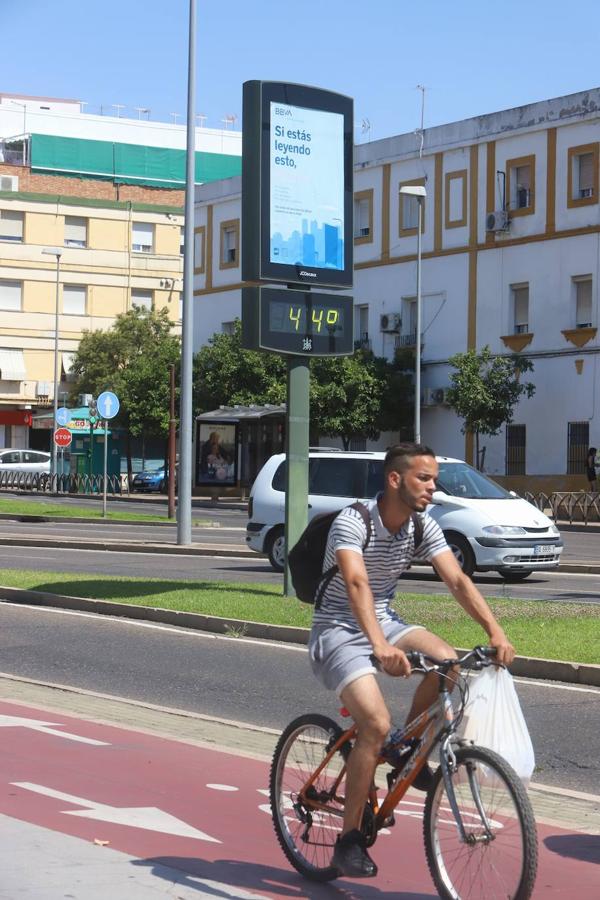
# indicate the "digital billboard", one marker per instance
pixel 297 185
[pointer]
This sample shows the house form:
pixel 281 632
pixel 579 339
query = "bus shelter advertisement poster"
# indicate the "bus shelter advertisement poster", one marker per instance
pixel 307 187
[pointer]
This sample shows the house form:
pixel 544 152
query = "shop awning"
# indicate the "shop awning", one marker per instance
pixel 12 365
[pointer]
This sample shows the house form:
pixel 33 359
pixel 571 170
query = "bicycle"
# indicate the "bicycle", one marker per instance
pixel 478 824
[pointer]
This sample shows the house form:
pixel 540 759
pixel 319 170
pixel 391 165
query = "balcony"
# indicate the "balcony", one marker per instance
pixel 406 341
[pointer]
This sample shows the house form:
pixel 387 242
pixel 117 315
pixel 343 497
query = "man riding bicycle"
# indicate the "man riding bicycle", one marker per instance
pixel 355 622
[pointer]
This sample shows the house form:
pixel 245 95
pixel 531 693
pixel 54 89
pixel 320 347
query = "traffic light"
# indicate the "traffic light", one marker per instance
pixel 93 410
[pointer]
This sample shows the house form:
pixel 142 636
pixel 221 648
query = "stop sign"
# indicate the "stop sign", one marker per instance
pixel 62 437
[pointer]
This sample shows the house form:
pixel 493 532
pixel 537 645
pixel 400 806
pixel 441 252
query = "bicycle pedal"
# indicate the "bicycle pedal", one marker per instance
pixel 389 822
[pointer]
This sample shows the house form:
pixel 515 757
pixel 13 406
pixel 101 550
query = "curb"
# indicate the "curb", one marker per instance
pixel 93 520
pixel 136 547
pixel 523 666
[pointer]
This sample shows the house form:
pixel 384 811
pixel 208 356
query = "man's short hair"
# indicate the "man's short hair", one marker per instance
pixel 398 457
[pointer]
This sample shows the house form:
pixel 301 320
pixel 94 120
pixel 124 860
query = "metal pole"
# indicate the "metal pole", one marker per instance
pixel 418 341
pixel 172 454
pixel 105 468
pixel 297 439
pixel 184 507
pixel 53 476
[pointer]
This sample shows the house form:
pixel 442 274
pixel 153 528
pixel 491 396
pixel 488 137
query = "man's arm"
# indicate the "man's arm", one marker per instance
pixel 360 597
pixel 463 589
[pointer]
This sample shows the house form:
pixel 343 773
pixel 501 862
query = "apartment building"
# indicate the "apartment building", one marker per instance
pixel 510 247
pixel 98 202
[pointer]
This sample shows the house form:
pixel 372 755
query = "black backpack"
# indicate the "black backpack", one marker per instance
pixel 305 559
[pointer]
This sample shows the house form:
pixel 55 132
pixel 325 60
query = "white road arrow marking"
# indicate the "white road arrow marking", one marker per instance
pixel 149 818
pixel 47 728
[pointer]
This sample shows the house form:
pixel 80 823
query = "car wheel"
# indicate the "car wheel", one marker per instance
pixel 462 551
pixel 276 549
pixel 163 487
pixel 515 575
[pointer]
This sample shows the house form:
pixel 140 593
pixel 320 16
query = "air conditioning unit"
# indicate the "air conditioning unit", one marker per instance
pixel 42 389
pixel 9 182
pixel 497 221
pixel 390 322
pixel 435 396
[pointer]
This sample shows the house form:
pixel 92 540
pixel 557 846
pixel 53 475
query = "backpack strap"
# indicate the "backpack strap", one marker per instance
pixel 418 531
pixel 329 574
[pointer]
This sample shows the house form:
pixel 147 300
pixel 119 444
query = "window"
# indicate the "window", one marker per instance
pixel 520 187
pixel 228 327
pixel 363 217
pixel 335 477
pixel 230 240
pixel 583 301
pixel 10 294
pixel 142 299
pixel 74 300
pixel 361 327
pixel 456 199
pixel 409 210
pixel 515 449
pixel 199 239
pixel 582 187
pixel 520 305
pixel 181 241
pixel 75 231
pixel 142 237
pixel 11 226
pixel 577 447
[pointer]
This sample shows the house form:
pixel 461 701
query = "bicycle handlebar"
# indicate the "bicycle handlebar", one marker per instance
pixel 477 658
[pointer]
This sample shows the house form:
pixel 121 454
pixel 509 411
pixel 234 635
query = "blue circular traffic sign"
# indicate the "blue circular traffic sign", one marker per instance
pixel 108 405
pixel 63 416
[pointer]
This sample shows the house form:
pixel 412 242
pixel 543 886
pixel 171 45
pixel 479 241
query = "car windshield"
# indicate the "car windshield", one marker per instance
pixel 461 480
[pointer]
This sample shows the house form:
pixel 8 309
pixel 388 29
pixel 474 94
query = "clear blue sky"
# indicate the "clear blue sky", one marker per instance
pixel 473 56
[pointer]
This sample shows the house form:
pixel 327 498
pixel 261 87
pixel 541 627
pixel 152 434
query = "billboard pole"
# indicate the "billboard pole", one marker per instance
pixel 296 448
pixel 184 507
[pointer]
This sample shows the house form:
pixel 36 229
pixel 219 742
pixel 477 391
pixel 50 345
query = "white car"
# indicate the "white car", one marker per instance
pixel 488 528
pixel 14 460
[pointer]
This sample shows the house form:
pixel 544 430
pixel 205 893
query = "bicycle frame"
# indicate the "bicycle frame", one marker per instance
pixel 427 728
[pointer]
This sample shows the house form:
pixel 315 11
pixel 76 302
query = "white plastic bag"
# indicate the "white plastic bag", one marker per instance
pixel 493 719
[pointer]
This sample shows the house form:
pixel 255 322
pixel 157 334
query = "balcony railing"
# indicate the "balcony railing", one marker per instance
pixel 407 340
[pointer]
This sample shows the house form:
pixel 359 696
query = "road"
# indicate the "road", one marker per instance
pixel 258 682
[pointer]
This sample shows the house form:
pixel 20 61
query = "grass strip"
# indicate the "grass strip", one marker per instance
pixel 549 630
pixel 47 508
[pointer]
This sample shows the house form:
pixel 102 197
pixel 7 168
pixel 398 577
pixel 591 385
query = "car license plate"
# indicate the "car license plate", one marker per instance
pixel 544 550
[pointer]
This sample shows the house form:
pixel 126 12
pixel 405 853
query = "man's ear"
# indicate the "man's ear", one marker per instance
pixel 394 478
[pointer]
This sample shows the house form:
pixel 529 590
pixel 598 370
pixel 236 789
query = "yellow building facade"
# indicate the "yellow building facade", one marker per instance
pixel 113 256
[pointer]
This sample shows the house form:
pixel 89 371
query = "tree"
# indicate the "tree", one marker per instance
pixel 350 396
pixel 131 358
pixel 485 389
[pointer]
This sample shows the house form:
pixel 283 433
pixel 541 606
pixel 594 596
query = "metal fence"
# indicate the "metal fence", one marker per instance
pixel 571 506
pixel 59 484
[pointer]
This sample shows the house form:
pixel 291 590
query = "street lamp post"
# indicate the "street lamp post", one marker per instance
pixel 419 193
pixel 57 254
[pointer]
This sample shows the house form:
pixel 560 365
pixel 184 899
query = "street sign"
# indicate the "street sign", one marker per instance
pixel 63 416
pixel 108 405
pixel 62 437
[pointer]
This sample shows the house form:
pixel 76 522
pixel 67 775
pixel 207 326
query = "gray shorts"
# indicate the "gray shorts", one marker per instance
pixel 339 655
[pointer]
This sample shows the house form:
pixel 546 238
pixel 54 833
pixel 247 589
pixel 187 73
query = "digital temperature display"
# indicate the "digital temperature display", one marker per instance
pixel 299 318
pixel 302 323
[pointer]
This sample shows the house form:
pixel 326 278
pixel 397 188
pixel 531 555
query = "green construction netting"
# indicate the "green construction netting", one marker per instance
pixel 126 163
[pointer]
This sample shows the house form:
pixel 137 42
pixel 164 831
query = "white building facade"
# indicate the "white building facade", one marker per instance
pixel 511 249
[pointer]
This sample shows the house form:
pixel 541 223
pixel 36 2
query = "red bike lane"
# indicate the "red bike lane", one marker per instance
pixel 205 812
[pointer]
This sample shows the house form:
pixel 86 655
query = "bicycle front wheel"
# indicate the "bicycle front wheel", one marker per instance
pixel 497 858
pixel 307 826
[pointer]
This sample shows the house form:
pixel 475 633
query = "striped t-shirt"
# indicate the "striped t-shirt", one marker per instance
pixel 386 557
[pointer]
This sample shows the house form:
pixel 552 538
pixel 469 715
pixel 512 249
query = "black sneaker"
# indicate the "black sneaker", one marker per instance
pixel 424 779
pixel 350 857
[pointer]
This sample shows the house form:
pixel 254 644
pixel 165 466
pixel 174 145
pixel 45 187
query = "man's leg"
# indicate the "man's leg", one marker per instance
pixel 426 642
pixel 364 701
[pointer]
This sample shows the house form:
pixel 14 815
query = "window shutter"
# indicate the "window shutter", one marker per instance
pixel 142 236
pixel 74 297
pixel 11 225
pixel 75 231
pixel 10 294
pixel 586 171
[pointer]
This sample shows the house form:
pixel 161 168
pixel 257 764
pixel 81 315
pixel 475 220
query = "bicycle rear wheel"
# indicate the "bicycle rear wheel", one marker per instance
pixel 498 862
pixel 307 835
